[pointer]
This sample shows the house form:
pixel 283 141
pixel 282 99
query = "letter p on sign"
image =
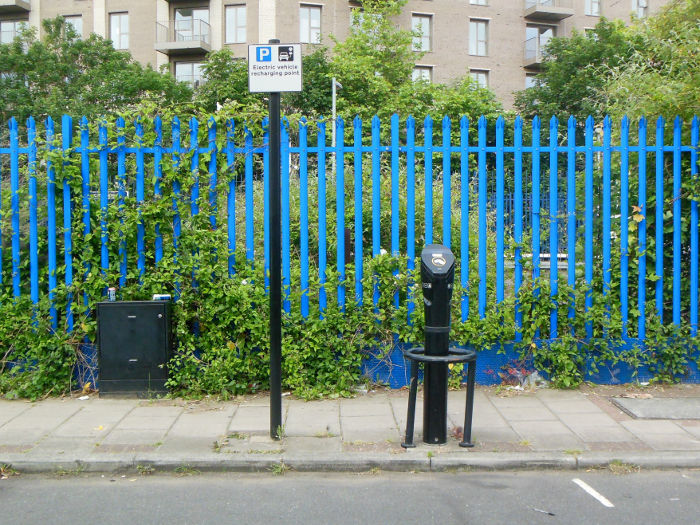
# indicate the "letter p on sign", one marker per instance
pixel 264 54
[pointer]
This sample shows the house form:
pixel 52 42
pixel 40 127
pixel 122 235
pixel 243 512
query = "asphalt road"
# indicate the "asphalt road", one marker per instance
pixel 479 497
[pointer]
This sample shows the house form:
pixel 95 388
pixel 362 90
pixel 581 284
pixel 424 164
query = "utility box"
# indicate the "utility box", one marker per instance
pixel 134 346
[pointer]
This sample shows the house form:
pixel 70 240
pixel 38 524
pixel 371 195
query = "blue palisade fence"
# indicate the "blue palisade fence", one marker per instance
pixel 518 203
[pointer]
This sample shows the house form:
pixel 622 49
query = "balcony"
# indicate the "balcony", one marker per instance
pixel 548 10
pixel 533 52
pixel 183 37
pixel 14 6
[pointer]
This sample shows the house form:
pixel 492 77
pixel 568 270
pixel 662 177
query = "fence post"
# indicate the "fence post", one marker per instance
pixel 140 229
pixel 553 224
pixel 67 135
pixel 677 127
pixel 158 175
pixel 694 230
pixel 607 132
pixel 518 224
pixel 395 195
pixel 51 221
pixel 304 216
pixel 428 178
pixel 231 197
pixel 446 182
pixel 660 218
pixel 410 208
pixel 104 199
pixel 33 221
pixel 482 216
pixel 213 176
pixel 642 230
pixel 85 183
pixel 589 222
pixel 376 202
pixel 571 213
pixel 14 201
pixel 339 153
pixel 357 138
pixel 322 246
pixel 464 209
pixel 624 217
pixel 500 228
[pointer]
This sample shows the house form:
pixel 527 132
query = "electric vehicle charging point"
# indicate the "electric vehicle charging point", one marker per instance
pixel 437 277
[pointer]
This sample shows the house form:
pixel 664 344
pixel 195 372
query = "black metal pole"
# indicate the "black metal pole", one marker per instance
pixel 275 268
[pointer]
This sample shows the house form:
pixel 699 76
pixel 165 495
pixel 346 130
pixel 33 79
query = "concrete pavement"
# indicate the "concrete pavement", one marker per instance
pixel 512 429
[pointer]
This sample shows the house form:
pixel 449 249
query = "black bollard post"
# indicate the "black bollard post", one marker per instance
pixel 437 274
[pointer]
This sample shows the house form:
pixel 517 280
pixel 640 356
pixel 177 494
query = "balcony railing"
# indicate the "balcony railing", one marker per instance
pixel 533 51
pixel 551 10
pixel 183 36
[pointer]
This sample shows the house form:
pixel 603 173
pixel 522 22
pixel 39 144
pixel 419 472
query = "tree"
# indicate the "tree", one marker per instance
pixel 575 71
pixel 315 99
pixel 662 76
pixel 374 62
pixel 225 80
pixel 63 73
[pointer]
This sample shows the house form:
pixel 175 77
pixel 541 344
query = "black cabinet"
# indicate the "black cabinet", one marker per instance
pixel 134 346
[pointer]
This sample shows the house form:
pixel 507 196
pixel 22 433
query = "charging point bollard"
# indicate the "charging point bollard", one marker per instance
pixel 437 270
pixel 437 276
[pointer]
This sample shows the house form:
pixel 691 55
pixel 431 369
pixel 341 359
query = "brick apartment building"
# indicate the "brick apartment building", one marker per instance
pixel 497 42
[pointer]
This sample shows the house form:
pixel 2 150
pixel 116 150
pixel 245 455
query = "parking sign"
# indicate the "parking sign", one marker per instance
pixel 274 68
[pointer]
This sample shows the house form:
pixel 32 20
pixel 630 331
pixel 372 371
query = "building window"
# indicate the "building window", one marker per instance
pixel 310 24
pixel 235 24
pixel 192 24
pixel 479 2
pixel 10 29
pixel 119 30
pixel 422 74
pixel 478 37
pixel 593 7
pixel 422 32
pixel 640 8
pixel 76 22
pixel 480 76
pixel 530 80
pixel 190 72
pixel 536 39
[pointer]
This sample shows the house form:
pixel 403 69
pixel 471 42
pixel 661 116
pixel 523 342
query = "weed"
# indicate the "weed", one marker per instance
pixel 280 469
pixel 145 470
pixel 7 471
pixel 186 470
pixel 62 472
pixel 238 435
pixel 573 452
pixel 620 468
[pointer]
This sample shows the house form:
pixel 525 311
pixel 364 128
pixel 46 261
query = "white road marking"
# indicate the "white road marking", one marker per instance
pixel 590 490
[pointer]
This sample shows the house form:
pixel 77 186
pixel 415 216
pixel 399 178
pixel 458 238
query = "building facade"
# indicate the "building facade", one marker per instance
pixel 498 42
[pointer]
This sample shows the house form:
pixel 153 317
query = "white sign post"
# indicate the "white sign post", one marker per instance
pixel 274 68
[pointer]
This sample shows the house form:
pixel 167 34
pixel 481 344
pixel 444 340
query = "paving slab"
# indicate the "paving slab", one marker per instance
pixel 662 435
pixel 312 419
pixel 11 409
pixel 547 435
pixel 660 407
pixel 251 418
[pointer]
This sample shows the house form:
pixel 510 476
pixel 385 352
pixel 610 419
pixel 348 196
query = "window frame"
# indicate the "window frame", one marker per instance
pixel 122 15
pixel 423 36
pixel 192 64
pixel 17 23
pixel 589 10
pixel 235 8
pixel 475 23
pixel 309 8
pixel 475 73
pixel 75 17
pixel 422 68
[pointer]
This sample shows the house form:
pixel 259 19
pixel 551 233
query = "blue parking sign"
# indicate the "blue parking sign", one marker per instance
pixel 264 54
